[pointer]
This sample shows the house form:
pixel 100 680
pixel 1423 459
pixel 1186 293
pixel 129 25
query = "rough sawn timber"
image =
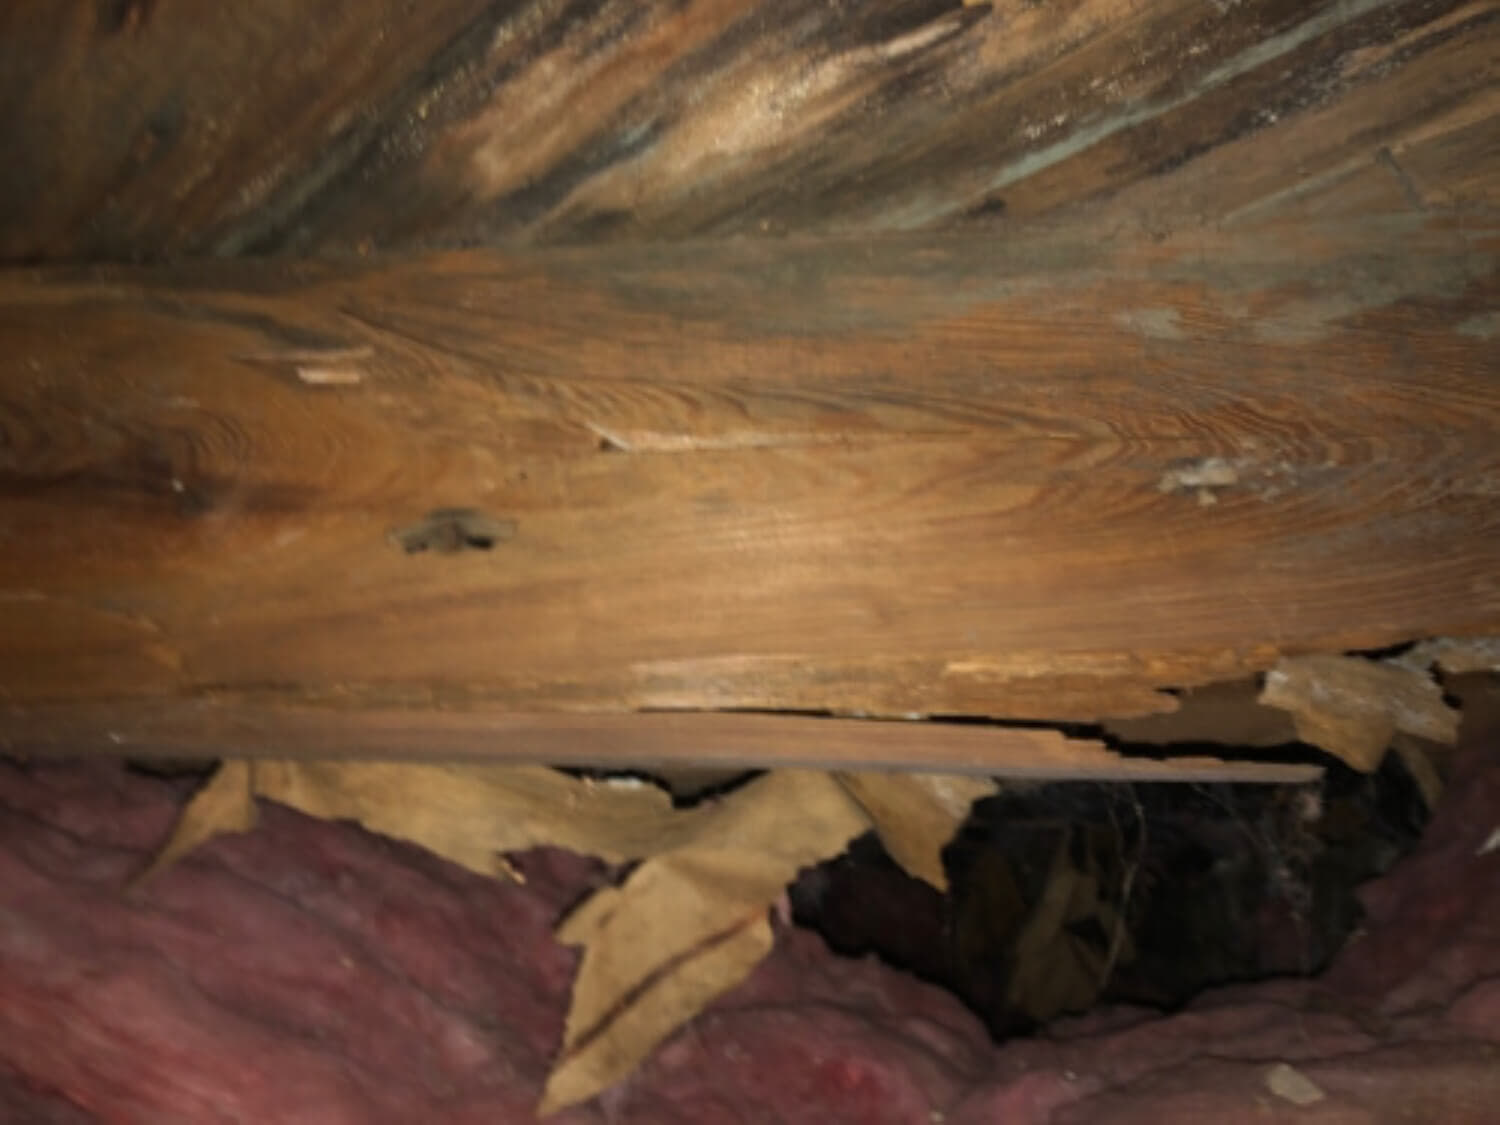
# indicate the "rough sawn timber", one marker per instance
pixel 152 129
pixel 1040 479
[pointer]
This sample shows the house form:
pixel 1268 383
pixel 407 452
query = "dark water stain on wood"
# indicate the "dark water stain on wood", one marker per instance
pixel 335 130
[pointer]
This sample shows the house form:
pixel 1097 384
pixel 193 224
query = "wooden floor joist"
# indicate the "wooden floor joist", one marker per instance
pixel 1043 479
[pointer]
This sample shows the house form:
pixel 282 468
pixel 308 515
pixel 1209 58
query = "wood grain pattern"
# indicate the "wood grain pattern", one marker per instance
pixel 884 477
pixel 135 129
pixel 156 130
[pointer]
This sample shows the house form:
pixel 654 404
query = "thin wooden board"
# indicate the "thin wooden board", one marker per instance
pixel 929 477
pixel 241 729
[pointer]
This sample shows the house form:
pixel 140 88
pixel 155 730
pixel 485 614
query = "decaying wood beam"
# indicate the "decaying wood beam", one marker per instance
pixel 1039 479
pixel 240 729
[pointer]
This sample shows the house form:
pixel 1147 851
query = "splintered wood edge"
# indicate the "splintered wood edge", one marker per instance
pixel 235 729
